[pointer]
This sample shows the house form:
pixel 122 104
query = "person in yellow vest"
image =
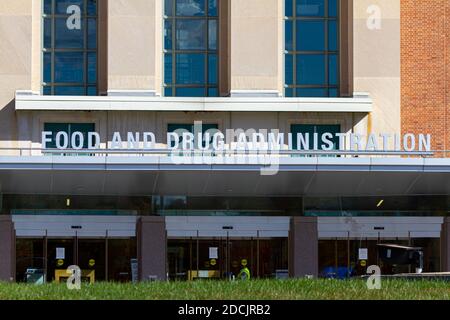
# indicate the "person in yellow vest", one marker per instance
pixel 244 274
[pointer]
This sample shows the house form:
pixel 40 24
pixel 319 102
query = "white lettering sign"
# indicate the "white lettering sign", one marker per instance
pixel 245 141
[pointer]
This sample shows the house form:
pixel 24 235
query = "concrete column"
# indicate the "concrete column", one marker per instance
pixel 445 245
pixel 7 249
pixel 152 248
pixel 303 247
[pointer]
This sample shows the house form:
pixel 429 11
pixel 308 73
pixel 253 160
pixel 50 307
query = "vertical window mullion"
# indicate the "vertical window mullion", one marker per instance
pixel 52 49
pixel 173 49
pixel 327 64
pixel 84 20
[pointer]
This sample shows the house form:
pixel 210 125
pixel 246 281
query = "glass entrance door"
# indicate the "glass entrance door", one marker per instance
pixel 61 253
pixel 102 259
pixel 92 259
pixel 227 258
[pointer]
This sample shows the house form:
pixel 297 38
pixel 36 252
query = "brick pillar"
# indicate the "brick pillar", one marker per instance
pixel 7 249
pixel 445 245
pixel 152 248
pixel 303 247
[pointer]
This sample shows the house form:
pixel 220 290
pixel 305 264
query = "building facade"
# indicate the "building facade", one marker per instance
pixel 111 114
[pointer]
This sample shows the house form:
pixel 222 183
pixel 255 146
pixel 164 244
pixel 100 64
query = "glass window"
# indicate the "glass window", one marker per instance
pixel 181 128
pixel 190 7
pixel 312 48
pixel 70 47
pixel 312 129
pixel 69 128
pixel 191 65
pixel 190 68
pixel 310 35
pixel 310 69
pixel 191 34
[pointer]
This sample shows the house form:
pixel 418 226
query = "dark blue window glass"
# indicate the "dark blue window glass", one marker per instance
pixel 310 35
pixel 168 92
pixel 47 6
pixel 333 8
pixel 168 34
pixel 92 91
pixel 212 8
pixel 66 6
pixel 184 127
pixel 333 67
pixel 311 69
pixel 311 92
pixel 212 69
pixel 47 33
pixel 92 33
pixel 190 7
pixel 213 92
pixel 333 93
pixel 69 91
pixel 69 67
pixel 289 92
pixel 66 38
pixel 70 47
pixel 92 68
pixel 310 8
pixel 312 48
pixel 168 69
pixel 332 36
pixel 191 34
pixel 47 91
pixel 289 35
pixel 190 92
pixel 92 7
pixel 319 129
pixel 168 7
pixel 191 64
pixel 190 68
pixel 68 128
pixel 47 67
pixel 288 10
pixel 289 74
pixel 212 35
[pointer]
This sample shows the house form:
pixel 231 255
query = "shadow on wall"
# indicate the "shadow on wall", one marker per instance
pixel 8 124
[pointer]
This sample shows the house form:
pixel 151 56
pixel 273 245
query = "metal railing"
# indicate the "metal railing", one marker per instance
pixel 178 152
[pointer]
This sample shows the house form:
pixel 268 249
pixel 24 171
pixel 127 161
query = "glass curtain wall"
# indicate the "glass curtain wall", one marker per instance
pixel 191 60
pixel 312 48
pixel 70 47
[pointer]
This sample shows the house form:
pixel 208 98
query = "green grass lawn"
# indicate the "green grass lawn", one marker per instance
pixel 252 290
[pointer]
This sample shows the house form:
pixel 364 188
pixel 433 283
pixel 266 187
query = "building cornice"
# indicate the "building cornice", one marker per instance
pixel 28 101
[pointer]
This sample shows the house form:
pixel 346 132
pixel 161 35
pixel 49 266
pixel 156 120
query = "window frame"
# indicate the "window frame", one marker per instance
pixel 85 50
pixel 173 52
pixel 294 52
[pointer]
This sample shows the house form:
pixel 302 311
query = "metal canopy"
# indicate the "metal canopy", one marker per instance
pixel 159 176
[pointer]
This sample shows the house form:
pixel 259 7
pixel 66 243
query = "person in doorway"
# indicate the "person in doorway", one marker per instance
pixel 244 274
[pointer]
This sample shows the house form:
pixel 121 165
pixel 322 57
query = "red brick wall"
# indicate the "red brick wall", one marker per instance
pixel 425 66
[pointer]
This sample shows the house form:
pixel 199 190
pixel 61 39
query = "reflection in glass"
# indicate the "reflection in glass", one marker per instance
pixel 190 7
pixel 30 261
pixel 190 48
pixel 69 67
pixel 68 38
pixel 120 255
pixel 69 51
pixel 191 34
